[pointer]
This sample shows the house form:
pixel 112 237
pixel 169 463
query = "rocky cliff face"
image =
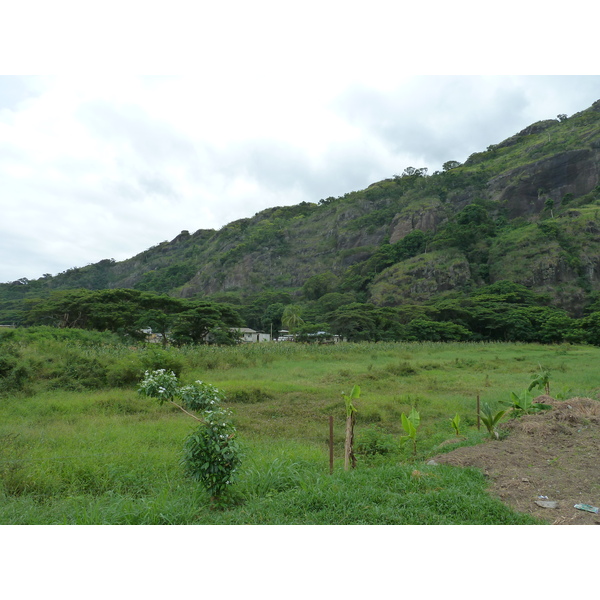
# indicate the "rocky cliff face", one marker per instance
pixel 426 219
pixel 524 190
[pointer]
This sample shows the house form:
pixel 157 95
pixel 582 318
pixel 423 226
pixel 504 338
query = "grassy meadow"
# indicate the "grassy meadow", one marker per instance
pixel 79 445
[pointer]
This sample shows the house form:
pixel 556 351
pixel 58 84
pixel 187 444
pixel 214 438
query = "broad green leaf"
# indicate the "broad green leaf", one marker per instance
pixel 405 422
pixel 408 426
pixel 415 418
pixel 498 416
pixel 355 393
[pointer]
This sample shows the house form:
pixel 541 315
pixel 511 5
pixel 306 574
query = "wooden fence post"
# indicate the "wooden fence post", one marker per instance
pixel 331 445
pixel 349 458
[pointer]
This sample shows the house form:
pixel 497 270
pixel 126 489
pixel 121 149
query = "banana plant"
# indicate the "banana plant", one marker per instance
pixel 523 404
pixel 354 394
pixel 541 380
pixel 490 419
pixel 456 423
pixel 410 424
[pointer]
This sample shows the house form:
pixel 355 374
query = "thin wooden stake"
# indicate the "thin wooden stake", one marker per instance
pixel 478 419
pixel 349 458
pixel 331 445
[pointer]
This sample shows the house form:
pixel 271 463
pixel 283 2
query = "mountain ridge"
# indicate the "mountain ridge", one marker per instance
pixel 523 210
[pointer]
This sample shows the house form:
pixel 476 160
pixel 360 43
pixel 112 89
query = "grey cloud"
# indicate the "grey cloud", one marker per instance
pixel 430 117
pixel 140 185
pixel 143 148
pixel 289 172
pixel 21 259
pixel 271 163
pixel 447 117
pixel 151 139
pixel 346 168
pixel 158 185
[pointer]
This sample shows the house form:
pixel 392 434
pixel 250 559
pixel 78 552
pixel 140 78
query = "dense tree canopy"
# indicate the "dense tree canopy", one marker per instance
pixel 127 312
pixel 503 311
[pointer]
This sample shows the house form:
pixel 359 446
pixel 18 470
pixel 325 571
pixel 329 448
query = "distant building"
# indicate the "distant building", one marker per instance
pixel 324 337
pixel 248 335
pixel 153 338
pixel 320 337
pixel 285 336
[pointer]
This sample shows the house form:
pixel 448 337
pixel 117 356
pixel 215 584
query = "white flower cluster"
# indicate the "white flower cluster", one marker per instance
pixel 161 384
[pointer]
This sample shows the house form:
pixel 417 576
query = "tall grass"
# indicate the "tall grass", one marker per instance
pixel 72 454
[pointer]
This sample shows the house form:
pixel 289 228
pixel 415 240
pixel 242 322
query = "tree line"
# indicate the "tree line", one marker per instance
pixel 503 311
pixel 128 312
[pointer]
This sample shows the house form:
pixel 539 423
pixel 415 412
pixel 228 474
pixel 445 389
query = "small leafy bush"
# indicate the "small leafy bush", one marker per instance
pixel 541 380
pixel 211 454
pixel 160 384
pixel 157 358
pixel 124 372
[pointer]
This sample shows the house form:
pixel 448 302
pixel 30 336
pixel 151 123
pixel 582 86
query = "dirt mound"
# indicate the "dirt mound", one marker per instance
pixel 550 457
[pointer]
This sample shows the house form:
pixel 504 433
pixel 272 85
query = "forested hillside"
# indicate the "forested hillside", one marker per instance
pixel 504 246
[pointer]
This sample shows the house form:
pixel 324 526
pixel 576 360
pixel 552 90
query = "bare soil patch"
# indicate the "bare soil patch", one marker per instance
pixel 553 454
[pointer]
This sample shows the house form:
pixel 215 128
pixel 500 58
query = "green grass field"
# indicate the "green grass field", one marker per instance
pixel 111 456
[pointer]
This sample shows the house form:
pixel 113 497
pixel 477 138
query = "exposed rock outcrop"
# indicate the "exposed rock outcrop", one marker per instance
pixel 425 219
pixel 523 191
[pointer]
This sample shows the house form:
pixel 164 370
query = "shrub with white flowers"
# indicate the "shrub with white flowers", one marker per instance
pixel 160 384
pixel 200 396
pixel 211 453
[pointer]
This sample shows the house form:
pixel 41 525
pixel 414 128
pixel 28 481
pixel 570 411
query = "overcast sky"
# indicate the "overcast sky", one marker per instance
pixel 268 107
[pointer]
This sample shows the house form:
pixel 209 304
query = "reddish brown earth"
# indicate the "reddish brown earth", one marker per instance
pixel 555 453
